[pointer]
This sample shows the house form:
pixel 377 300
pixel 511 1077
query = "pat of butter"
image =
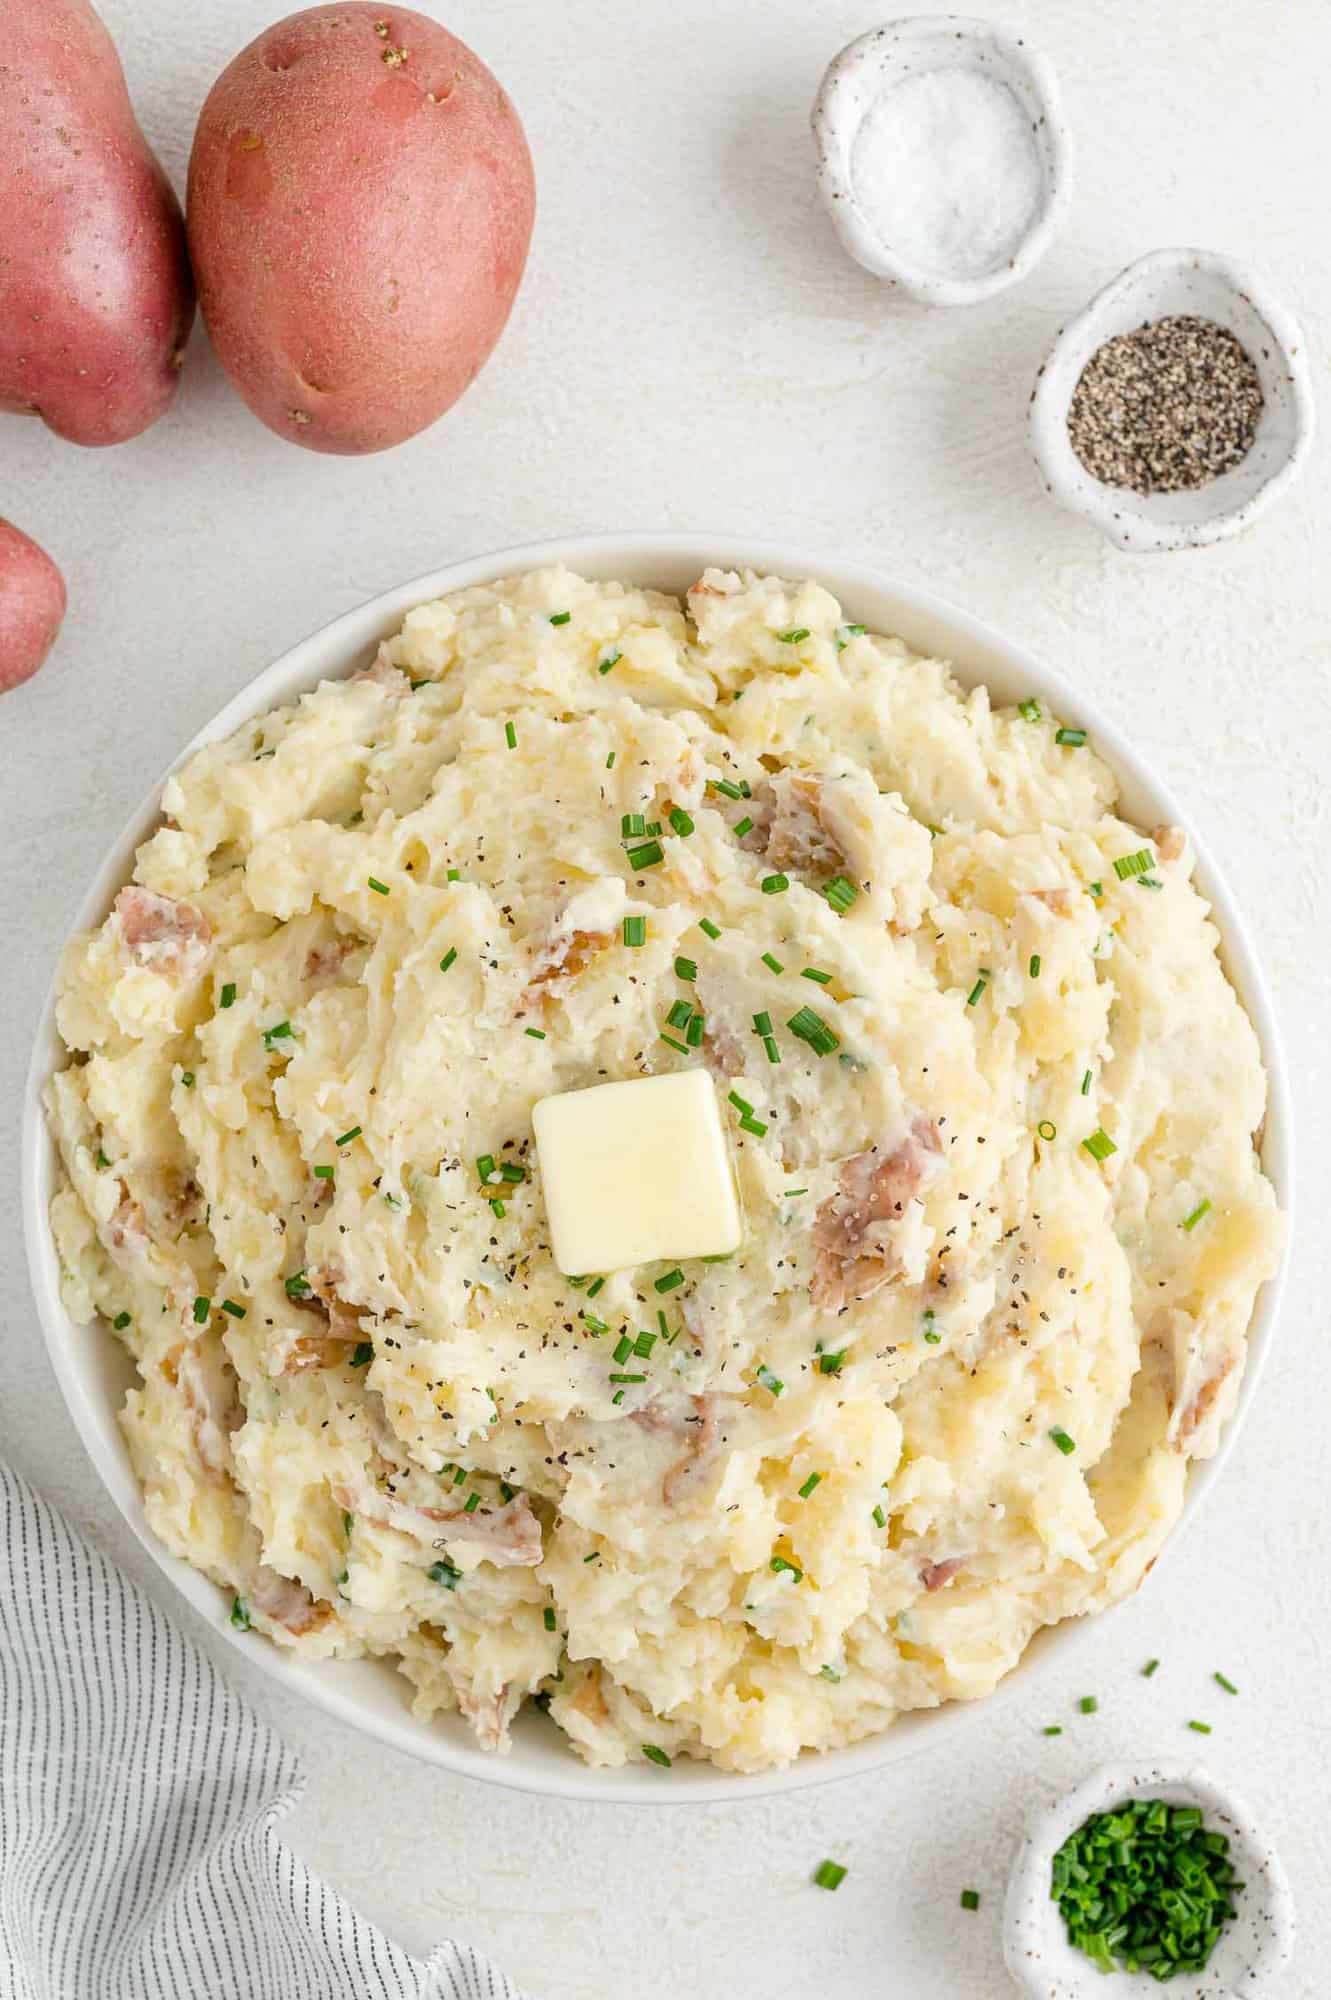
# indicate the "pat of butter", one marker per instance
pixel 634 1172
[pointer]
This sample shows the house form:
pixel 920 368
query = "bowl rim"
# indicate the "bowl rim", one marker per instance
pixel 642 557
pixel 1115 510
pixel 858 234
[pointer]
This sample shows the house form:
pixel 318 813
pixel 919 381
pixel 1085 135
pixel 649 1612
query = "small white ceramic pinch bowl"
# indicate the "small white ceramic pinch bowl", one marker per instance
pixel 892 55
pixel 1254 1947
pixel 1202 285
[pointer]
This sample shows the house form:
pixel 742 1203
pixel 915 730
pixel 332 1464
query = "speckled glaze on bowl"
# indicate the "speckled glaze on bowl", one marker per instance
pixel 94 1371
pixel 1254 1948
pixel 915 46
pixel 1210 287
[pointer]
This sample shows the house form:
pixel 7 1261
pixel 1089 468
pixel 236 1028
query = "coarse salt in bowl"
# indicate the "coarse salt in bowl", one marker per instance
pixel 943 157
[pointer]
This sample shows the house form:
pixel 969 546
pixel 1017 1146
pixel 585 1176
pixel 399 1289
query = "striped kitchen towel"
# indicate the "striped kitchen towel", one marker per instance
pixel 139 1806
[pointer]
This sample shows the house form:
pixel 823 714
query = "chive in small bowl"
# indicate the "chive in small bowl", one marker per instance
pixel 1185 284
pixel 1254 1947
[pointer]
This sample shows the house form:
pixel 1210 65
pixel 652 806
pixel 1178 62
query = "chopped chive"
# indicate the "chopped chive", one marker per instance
pixel 549 1617
pixel 878 1517
pixel 595 1556
pixel 560 617
pixel 227 999
pixel 680 1014
pixel 814 1479
pixel 1149 882
pixel 644 1344
pixel 448 958
pixel 649 855
pixel 693 1034
pixel 767 1380
pixel 202 1308
pixel 628 1378
pixel 829 1673
pixel 120 1322
pixel 1128 865
pixel 795 636
pixel 829 1875
pixel 656 1754
pixel 819 978
pixel 230 1306
pixel 635 930
pixel 445 1573
pixel 471 1503
pixel 840 894
pixel 661 1322
pixel 1046 1130
pixel 772 964
pixel 498 1210
pixel 511 1172
pixel 240 1614
pixel 1086 1084
pixel 686 968
pixel 1073 738
pixel 743 826
pixel 1034 967
pixel 537 1034
pixel 970 1899
pixel 323 1173
pixel 977 990
pixel 1096 889
pixel 379 888
pixel 363 1354
pixel 1030 710
pixel 623 1349
pixel 632 826
pixel 779 1566
pixel 1052 1729
pixel 452 874
pixel 297 1286
pixel 1099 1145
pixel 1191 1221
pixel 680 822
pixel 283 1032
pixel 774 885
pixel 727 789
pixel 510 736
pixel 1221 1681
pixel 1202 1728
pixel 741 1104
pixel 1060 1437
pixel 604 666
pixel 708 928
pixel 610 761
pixel 594 1325
pixel 832 1364
pixel 101 1162
pixel 347 1137
pixel 1150 1668
pixel 672 1043
pixel 811 1028
pixel 485 1167
pixel 187 1078
pixel 791 1191
pixel 762 1023
pixel 844 635
pixel 770 1048
pixel 1088 1704
pixel 669 1282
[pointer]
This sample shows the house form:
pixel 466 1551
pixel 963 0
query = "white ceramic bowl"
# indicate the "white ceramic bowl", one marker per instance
pixel 93 1370
pixel 915 46
pixel 1254 1948
pixel 1198 284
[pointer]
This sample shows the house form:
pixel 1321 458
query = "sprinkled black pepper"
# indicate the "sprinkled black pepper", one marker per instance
pixel 1167 407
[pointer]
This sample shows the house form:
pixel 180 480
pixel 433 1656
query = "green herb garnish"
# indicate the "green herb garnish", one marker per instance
pixel 811 1028
pixel 1145 1887
pixel 829 1874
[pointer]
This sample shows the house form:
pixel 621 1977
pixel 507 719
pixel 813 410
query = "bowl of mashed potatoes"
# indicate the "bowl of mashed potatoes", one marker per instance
pixel 656 1164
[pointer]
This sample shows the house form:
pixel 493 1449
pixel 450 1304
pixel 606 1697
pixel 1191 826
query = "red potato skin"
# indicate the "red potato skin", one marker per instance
pixel 360 204
pixel 32 605
pixel 96 297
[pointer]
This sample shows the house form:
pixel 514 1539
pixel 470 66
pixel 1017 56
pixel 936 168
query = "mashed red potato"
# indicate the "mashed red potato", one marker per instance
pixel 990 1102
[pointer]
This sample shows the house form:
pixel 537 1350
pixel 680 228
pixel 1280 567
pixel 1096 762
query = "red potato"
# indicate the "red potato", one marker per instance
pixel 360 204
pixel 96 298
pixel 32 604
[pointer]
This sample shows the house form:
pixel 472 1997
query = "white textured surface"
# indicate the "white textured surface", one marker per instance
pixel 692 349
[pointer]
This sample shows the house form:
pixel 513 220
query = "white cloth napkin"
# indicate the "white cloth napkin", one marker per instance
pixel 139 1806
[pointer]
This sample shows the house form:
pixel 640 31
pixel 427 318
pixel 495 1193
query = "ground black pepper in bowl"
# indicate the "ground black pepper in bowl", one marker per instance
pixel 1167 407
